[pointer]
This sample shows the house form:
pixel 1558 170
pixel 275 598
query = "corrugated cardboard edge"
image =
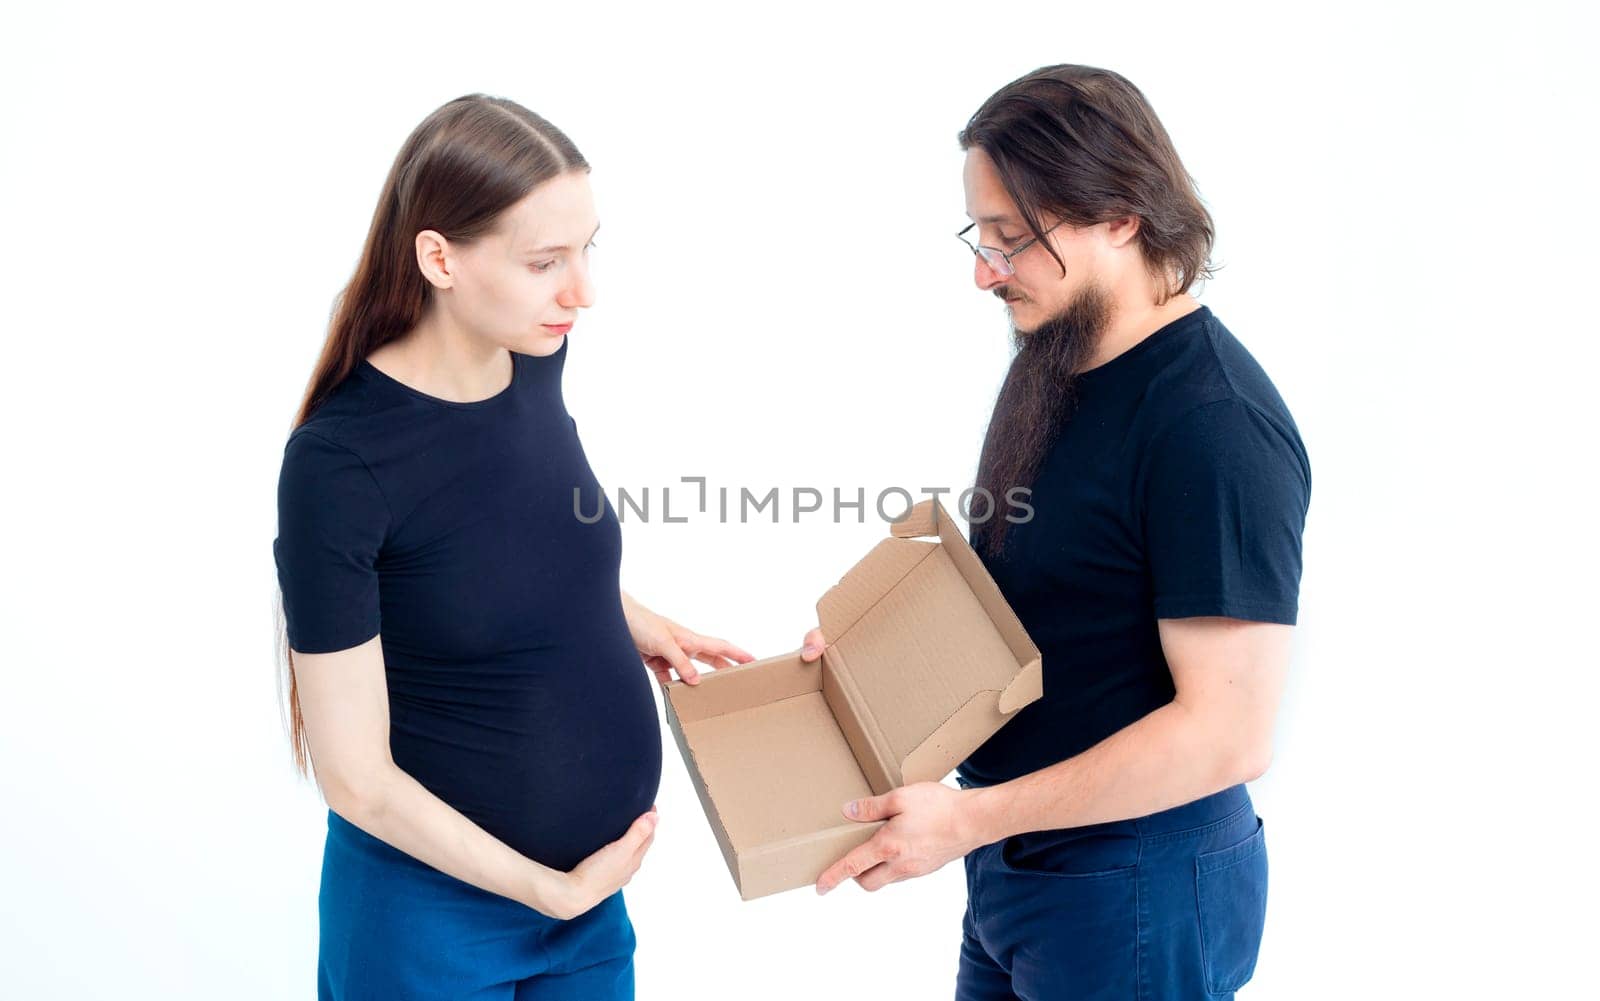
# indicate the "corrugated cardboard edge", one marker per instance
pixel 713 817
pixel 856 722
pixel 807 855
pixel 1026 687
pixel 921 521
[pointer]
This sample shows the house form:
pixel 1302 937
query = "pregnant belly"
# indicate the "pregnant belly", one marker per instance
pixel 554 755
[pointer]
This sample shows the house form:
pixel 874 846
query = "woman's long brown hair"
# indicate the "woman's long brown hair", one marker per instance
pixel 463 166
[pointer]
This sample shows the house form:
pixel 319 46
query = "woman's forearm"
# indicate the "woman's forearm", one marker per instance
pixel 631 609
pixel 397 809
pixel 1168 758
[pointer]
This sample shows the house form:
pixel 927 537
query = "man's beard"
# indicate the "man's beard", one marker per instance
pixel 1035 401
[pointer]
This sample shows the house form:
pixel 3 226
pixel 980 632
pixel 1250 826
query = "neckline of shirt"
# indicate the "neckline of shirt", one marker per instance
pixel 1157 337
pixel 518 363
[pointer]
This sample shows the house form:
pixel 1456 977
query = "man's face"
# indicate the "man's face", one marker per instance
pixel 1037 291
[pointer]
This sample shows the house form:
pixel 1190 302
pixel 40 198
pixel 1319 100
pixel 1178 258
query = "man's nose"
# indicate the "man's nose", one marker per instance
pixel 985 276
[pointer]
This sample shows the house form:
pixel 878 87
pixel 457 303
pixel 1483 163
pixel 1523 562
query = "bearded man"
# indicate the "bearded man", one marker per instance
pixel 1111 847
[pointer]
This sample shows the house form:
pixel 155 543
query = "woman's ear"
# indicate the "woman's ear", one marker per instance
pixel 433 258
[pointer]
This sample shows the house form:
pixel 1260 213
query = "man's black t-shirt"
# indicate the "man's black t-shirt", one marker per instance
pixel 1177 487
pixel 515 692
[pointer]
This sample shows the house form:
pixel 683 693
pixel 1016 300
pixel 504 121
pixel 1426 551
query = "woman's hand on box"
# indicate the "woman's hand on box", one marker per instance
pixel 667 646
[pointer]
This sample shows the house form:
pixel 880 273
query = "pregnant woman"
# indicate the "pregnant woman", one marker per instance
pixel 463 671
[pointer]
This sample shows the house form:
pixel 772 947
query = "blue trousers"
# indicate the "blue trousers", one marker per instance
pixel 1168 906
pixel 396 929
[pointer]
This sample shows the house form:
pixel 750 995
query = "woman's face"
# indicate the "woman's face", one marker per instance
pixel 521 285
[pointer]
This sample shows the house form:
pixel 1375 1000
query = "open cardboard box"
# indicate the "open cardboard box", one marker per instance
pixel 925 661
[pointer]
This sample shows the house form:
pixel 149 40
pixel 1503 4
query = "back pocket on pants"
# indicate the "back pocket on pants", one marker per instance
pixel 1231 889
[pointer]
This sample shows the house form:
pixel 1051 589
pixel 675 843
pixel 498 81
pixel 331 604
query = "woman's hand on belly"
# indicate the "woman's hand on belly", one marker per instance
pixel 606 871
pixel 667 646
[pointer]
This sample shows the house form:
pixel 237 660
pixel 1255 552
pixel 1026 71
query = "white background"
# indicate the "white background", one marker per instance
pixel 1406 213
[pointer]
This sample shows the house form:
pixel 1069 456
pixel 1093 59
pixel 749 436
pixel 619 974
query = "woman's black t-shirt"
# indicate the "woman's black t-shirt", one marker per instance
pixel 1178 487
pixel 465 534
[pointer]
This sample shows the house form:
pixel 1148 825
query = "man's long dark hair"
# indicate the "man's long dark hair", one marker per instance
pixel 1080 145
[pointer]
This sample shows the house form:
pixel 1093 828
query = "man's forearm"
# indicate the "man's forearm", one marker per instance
pixel 1166 759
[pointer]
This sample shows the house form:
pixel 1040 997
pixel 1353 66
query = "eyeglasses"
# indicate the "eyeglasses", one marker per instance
pixel 997 259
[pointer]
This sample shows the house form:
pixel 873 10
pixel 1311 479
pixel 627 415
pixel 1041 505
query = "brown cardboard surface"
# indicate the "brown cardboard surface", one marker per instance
pixel 924 662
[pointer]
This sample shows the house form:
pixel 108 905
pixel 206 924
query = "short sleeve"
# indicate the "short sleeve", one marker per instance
pixel 332 519
pixel 1226 494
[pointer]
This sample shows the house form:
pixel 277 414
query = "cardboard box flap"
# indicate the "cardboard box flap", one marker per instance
pixel 986 591
pixel 1026 687
pixel 935 673
pixel 919 521
pixel 860 588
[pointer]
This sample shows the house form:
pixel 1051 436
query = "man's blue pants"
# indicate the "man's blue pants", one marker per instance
pixel 1168 906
